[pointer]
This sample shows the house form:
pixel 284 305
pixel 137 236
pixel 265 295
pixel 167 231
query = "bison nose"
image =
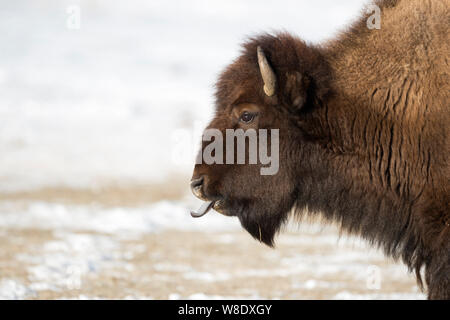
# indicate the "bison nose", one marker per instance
pixel 196 187
pixel 195 183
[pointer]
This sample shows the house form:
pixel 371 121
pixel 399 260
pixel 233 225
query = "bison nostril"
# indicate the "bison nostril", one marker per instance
pixel 196 183
pixel 196 187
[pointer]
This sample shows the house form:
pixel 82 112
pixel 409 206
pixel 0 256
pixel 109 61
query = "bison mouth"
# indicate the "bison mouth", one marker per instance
pixel 262 225
pixel 217 202
pixel 218 205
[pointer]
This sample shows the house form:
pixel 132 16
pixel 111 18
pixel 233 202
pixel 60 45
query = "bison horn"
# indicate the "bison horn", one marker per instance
pixel 268 76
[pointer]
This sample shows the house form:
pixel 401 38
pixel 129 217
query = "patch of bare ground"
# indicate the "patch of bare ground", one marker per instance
pixel 176 264
pixel 109 195
pixel 183 264
pixel 16 243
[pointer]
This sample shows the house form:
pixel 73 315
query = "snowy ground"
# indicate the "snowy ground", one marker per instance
pixel 56 251
pixel 98 127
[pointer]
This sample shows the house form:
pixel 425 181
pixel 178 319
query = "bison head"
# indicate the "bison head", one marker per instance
pixel 273 85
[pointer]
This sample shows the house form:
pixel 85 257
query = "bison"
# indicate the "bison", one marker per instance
pixel 363 135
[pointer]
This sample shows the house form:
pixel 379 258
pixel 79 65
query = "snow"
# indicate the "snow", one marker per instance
pixel 203 296
pixel 12 290
pixel 124 222
pixel 207 276
pixel 88 242
pixel 101 104
pixel 345 295
pixel 61 264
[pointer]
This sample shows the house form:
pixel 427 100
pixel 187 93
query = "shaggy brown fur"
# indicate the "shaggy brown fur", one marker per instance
pixel 367 146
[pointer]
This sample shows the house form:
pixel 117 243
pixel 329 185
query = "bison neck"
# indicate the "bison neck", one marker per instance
pixel 378 151
pixel 378 168
pixel 338 194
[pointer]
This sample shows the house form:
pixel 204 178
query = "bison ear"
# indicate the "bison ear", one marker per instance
pixel 296 90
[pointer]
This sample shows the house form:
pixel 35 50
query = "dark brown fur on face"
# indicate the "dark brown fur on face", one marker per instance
pixel 364 136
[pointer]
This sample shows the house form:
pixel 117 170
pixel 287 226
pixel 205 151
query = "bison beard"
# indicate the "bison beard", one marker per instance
pixel 364 135
pixel 262 223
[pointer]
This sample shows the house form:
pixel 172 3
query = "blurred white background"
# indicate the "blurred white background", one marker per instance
pixel 99 104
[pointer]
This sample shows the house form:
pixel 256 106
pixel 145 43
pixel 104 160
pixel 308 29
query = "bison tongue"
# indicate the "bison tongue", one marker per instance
pixel 203 209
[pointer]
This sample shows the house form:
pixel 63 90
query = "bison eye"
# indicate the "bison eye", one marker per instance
pixel 247 117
